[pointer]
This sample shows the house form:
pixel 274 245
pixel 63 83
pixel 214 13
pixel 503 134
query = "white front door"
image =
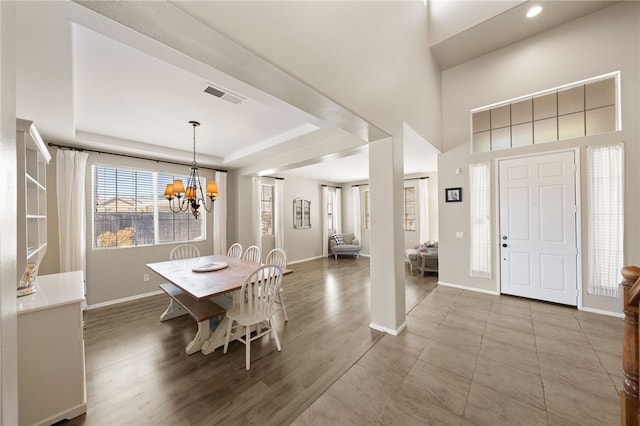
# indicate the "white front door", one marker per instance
pixel 538 245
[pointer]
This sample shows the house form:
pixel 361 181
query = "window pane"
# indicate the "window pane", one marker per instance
pixel 410 208
pixel 266 209
pixel 125 210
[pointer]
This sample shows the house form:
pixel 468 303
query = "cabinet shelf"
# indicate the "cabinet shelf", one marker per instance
pixel 32 159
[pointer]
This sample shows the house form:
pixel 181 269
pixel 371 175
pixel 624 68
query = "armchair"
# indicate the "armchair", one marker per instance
pixel 344 244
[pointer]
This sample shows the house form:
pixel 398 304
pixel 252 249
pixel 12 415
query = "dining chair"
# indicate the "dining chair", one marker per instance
pixel 255 307
pixel 235 250
pixel 184 251
pixel 279 258
pixel 252 254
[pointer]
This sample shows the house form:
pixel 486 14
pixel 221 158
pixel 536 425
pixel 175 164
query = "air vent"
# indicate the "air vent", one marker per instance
pixel 222 94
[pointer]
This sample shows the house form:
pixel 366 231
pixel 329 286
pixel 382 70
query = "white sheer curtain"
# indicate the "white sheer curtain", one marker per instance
pixel 423 196
pixel 480 205
pixel 278 228
pixel 71 168
pixel 357 216
pixel 220 215
pixel 605 193
pixel 325 222
pixel 255 213
pixel 337 210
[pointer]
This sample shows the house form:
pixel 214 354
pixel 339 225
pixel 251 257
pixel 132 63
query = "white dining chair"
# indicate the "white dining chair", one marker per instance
pixel 252 254
pixel 184 251
pixel 235 250
pixel 279 258
pixel 256 307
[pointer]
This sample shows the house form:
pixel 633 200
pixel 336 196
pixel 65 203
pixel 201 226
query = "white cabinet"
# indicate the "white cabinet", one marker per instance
pixel 32 160
pixel 51 366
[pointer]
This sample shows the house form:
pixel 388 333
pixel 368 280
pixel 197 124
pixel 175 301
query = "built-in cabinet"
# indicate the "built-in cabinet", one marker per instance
pixel 51 364
pixel 32 159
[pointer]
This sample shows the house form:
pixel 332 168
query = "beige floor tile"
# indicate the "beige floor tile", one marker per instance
pixel 434 385
pixel 514 382
pixel 579 406
pixel 473 303
pixel 552 308
pixel 609 344
pixel 567 321
pixel 389 363
pixel 559 421
pixel 407 342
pixel 523 323
pixel 469 323
pixel 597 383
pixel 329 410
pixel 510 336
pixel 504 299
pixel 405 409
pixel 421 326
pixel 428 312
pixel 450 358
pixel 567 357
pixel 574 337
pixel 518 311
pixel 510 355
pixel 365 393
pixel 488 407
pixel 612 363
pixel 546 343
pixel 459 337
pixel 607 325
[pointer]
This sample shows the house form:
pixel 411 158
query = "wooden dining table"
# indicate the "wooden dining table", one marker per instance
pixel 202 286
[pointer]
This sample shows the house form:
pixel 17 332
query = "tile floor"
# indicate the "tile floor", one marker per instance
pixel 468 358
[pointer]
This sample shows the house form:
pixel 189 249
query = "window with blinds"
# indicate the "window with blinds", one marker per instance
pixel 331 196
pixel 605 190
pixel 130 210
pixel 410 208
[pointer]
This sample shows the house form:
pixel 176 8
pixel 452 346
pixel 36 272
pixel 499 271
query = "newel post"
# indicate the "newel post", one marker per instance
pixel 630 299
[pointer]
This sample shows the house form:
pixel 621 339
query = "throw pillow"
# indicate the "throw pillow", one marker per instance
pixel 338 239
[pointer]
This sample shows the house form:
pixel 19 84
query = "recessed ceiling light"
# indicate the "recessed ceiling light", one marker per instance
pixel 534 11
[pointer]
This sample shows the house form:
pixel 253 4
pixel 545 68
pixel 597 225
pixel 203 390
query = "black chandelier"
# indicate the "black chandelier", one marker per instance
pixel 180 200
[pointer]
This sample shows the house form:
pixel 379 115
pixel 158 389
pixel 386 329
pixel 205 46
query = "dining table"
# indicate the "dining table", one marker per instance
pixel 203 278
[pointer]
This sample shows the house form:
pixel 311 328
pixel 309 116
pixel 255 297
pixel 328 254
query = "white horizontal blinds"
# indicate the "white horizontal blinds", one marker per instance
pixel 605 192
pixel 130 210
pixel 181 226
pixel 124 208
pixel 480 205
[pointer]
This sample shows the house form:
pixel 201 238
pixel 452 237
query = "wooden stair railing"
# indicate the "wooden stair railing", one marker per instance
pixel 630 287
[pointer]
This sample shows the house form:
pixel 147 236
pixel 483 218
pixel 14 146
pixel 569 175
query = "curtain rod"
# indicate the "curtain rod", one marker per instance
pixel 272 177
pixel 331 186
pixel 75 148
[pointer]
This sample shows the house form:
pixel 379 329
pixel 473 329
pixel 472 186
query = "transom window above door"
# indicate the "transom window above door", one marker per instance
pixel 571 111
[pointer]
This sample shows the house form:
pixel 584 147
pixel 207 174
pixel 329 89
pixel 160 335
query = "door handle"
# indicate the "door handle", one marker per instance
pixel 504 245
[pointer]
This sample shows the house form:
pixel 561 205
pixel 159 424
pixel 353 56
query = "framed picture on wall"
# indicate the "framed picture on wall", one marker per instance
pixel 453 195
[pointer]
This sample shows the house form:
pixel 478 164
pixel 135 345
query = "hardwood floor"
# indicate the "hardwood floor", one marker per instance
pixel 138 372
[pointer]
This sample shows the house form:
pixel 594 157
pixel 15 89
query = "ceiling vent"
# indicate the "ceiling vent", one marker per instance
pixel 224 94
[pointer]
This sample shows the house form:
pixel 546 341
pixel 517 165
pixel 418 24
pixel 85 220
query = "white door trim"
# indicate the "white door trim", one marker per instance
pixel 496 212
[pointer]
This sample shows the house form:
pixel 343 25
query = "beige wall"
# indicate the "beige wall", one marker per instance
pixel 599 43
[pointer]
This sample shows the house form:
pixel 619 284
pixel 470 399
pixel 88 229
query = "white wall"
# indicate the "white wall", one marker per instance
pixel 596 44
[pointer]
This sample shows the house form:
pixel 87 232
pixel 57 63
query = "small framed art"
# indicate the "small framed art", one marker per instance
pixel 453 195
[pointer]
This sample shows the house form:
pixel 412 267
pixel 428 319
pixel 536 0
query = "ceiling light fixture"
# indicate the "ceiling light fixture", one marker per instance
pixel 534 11
pixel 193 195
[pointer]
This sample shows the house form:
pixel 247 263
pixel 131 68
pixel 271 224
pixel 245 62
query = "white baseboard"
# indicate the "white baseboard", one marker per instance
pixel 602 312
pixel 464 287
pixel 124 299
pixel 388 330
pixel 305 260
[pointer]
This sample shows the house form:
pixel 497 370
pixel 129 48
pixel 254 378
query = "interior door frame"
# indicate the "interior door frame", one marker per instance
pixel 578 188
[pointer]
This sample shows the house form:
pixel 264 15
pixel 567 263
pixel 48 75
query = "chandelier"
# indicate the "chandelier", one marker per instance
pixel 180 200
